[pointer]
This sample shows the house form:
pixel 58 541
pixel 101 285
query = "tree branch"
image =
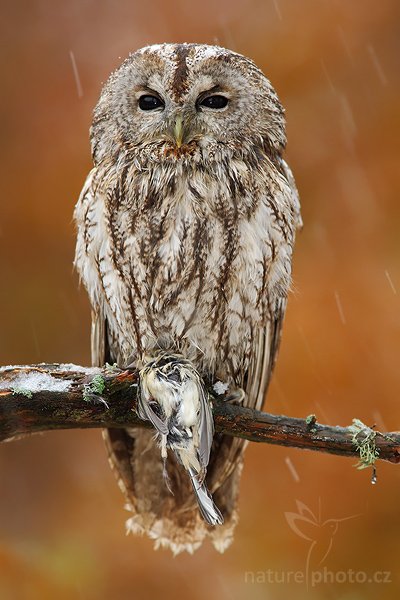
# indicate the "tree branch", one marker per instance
pixel 44 397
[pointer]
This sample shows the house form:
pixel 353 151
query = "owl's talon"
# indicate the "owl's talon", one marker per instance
pixel 95 399
pixel 236 397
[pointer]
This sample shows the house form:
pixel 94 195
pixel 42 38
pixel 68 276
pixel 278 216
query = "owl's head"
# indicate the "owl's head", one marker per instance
pixel 178 100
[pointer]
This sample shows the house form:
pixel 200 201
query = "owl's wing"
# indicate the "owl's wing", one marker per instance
pixel 119 443
pixel 288 175
pixel 88 208
pixel 98 340
pixel 263 358
pixel 229 451
pixel 268 339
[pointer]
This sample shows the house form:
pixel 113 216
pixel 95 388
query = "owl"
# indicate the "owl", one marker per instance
pixel 185 232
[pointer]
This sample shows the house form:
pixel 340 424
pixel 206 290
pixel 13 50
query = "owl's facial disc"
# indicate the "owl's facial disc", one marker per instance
pixel 182 100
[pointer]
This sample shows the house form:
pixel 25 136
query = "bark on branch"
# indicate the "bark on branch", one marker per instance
pixel 44 397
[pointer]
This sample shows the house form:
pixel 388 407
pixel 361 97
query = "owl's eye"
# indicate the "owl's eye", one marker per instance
pixel 214 102
pixel 148 102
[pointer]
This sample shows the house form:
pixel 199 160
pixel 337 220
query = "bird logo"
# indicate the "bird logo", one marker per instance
pixel 318 532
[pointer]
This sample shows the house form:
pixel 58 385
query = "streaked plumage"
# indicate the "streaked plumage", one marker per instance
pixel 186 226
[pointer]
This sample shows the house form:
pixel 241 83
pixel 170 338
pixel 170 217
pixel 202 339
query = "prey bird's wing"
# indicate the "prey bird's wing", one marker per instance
pixel 146 412
pixel 206 427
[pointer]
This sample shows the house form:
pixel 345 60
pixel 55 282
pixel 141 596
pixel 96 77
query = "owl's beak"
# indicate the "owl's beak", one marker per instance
pixel 178 130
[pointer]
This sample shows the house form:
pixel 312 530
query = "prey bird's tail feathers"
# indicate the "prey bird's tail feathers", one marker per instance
pixel 210 512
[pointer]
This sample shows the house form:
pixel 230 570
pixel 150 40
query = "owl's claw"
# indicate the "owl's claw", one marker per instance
pixel 232 396
pixel 236 397
pixel 96 399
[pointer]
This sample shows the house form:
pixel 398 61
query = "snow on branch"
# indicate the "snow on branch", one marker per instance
pixel 44 397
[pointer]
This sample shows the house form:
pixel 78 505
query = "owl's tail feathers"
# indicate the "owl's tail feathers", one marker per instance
pixel 174 521
pixel 210 512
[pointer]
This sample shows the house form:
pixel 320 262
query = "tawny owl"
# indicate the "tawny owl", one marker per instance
pixel 186 226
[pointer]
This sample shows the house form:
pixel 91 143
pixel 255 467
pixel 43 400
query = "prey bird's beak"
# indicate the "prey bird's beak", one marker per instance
pixel 178 130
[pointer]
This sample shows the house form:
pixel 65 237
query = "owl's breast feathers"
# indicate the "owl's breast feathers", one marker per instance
pixel 187 258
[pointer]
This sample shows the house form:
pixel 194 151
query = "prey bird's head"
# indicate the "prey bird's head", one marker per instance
pixel 174 100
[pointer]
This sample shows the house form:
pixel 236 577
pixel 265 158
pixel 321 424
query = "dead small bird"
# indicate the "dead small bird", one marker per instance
pixel 173 397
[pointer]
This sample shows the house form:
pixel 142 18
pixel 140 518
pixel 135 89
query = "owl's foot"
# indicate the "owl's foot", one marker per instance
pixel 236 396
pixel 92 391
pixel 229 394
pixel 97 400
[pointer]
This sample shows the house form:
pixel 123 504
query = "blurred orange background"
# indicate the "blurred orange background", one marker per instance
pixel 336 67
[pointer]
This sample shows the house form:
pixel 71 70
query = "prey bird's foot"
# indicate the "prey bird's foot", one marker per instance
pixel 166 477
pixel 201 475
